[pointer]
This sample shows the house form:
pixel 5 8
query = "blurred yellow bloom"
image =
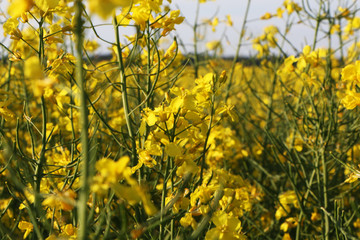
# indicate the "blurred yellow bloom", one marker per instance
pixel 351 73
pixel 214 23
pixel 229 21
pixel 212 45
pixel 279 12
pixel 353 177
pixel 45 5
pixel 289 197
pixel 227 227
pixel 105 8
pixel 140 15
pixel 69 230
pixel 351 100
pixel 266 16
pixel 286 237
pixel 144 159
pixel 91 45
pixel 11 28
pixel 26 227
pixel 315 216
pixel 61 200
pixel 335 28
pixel 7 114
pixel 173 150
pixel 288 224
pixel 134 195
pixel 188 220
pixel 286 199
pixel 352 25
pixel 291 6
pixel 356 224
pixel 170 52
pixel 18 7
pixel 344 12
pixel 33 68
pixel 109 173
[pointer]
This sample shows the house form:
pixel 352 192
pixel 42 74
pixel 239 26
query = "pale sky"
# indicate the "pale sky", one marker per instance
pixel 236 8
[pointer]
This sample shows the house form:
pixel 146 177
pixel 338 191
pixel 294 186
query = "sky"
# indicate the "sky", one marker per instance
pixel 236 9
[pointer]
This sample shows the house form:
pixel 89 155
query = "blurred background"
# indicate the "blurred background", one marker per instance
pixel 299 34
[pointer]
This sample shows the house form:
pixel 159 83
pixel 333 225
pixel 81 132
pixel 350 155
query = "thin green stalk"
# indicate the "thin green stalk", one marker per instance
pixel 237 53
pixel 40 163
pixel 163 198
pixel 318 20
pixel 196 55
pixel 124 93
pixel 85 173
pixel 325 194
pixel 207 137
pixel 149 64
pixel 41 50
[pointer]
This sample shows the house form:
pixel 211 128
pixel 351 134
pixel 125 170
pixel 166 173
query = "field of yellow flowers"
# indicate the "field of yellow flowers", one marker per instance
pixel 155 144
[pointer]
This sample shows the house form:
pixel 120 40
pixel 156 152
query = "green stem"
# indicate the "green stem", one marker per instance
pixel 40 163
pixel 207 138
pixel 325 195
pixel 237 53
pixel 124 94
pixel 41 51
pixel 84 181
pixel 196 56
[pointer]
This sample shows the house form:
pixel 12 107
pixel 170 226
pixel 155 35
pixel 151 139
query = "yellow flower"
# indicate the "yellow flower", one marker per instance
pixel 286 236
pixel 144 159
pixel 168 23
pixel 11 28
pixel 45 5
pixel 266 16
pixel 91 46
pixel 18 7
pixel 286 199
pixel 291 6
pixel 344 12
pixel 351 73
pixel 227 227
pixel 229 21
pixel 288 224
pixel 26 227
pixel 279 12
pixel 315 216
pixel 140 15
pixel 335 28
pixel 289 197
pixel 170 52
pixel 351 100
pixel 212 45
pixel 356 224
pixel 134 195
pixel 62 200
pixel 214 23
pixel 69 230
pixel 33 69
pixel 188 220
pixel 353 177
pixel 6 114
pixel 172 149
pixel 105 8
pixel 109 173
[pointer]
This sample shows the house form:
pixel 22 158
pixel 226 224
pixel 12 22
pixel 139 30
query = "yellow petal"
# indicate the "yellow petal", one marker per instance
pixel 45 5
pixel 173 150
